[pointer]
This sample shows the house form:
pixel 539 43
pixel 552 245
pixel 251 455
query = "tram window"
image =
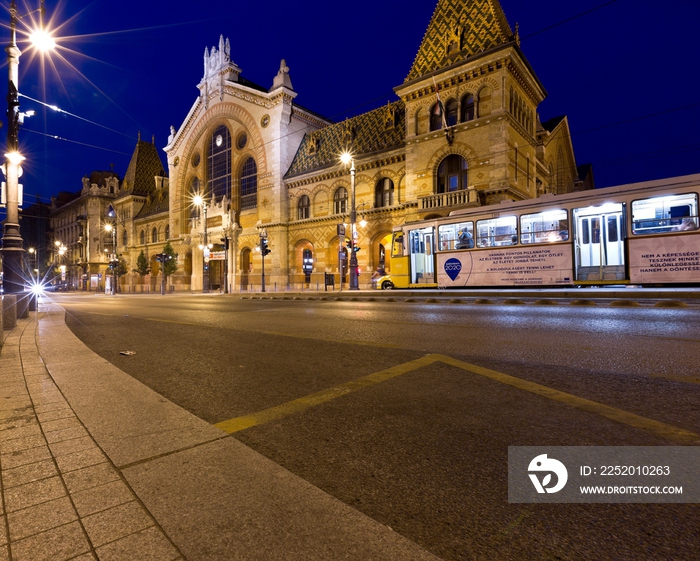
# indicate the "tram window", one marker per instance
pixel 661 215
pixel 544 227
pixel 497 232
pixel 397 245
pixel 456 236
pixel 595 230
pixel 586 232
pixel 612 229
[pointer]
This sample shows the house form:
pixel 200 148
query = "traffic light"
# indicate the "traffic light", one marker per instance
pixel 163 257
pixel 263 247
pixel 356 248
pixel 348 244
pixel 113 264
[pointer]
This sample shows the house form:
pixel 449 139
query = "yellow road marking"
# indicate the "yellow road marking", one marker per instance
pixel 663 430
pixel 303 403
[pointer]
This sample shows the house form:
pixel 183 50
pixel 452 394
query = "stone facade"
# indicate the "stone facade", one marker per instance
pixel 464 132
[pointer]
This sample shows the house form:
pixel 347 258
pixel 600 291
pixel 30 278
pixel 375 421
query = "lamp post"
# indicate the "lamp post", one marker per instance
pixel 200 202
pixel 113 260
pixel 347 158
pixel 12 250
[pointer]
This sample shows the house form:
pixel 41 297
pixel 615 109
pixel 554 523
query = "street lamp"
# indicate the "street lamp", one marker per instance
pixel 199 201
pixel 346 158
pixel 12 250
pixel 113 260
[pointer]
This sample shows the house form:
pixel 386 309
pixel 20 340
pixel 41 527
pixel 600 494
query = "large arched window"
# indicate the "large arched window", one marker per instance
pixel 167 232
pixel 195 186
pixel 451 111
pixel 154 235
pixel 452 174
pixel 249 184
pixel 436 117
pixel 219 163
pixel 125 238
pixel 384 193
pixel 468 108
pixel 340 201
pixel 303 208
pixel 142 237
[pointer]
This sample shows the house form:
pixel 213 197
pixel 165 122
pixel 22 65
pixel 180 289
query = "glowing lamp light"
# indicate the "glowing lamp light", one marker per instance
pixel 15 158
pixel 42 40
pixel 346 158
pixel 198 200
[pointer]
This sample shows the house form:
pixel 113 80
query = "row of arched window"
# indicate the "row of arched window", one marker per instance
pixel 154 237
pixel 383 197
pixel 468 108
pixel 451 176
pixel 520 110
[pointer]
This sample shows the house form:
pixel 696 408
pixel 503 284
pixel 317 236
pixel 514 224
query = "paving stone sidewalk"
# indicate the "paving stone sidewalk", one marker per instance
pixel 62 498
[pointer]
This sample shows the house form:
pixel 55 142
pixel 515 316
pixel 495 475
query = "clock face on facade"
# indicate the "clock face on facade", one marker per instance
pixel 219 140
pixel 265 120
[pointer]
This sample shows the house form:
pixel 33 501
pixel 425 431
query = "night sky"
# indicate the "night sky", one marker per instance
pixel 624 71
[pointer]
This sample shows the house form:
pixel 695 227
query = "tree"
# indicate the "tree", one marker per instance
pixel 142 267
pixel 121 270
pixel 170 265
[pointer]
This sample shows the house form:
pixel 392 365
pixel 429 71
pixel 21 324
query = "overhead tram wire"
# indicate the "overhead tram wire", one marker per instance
pixel 56 137
pixel 59 110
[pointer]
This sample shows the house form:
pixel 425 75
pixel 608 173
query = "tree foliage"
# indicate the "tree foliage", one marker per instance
pixel 170 266
pixel 142 267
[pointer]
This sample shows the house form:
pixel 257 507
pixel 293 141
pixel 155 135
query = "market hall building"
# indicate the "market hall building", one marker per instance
pixel 463 132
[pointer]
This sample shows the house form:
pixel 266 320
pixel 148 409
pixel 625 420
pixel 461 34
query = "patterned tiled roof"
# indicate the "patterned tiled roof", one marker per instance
pixel 381 129
pixel 156 203
pixel 457 30
pixel 144 166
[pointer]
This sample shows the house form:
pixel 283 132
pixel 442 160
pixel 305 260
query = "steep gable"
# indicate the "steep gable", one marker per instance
pixel 144 166
pixel 460 29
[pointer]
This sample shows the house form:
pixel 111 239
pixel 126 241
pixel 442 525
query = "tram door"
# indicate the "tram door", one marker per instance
pixel 422 254
pixel 599 243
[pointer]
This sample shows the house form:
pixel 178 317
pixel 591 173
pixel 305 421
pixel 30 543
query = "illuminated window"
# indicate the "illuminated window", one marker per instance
pixel 219 162
pixel 249 185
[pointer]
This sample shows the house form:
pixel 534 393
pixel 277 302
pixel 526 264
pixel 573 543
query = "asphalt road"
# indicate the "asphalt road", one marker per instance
pixel 405 410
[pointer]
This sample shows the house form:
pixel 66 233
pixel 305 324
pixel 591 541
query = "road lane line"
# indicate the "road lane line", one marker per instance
pixel 658 428
pixel 303 403
pixel 666 431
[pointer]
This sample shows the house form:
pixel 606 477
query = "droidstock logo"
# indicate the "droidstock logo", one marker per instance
pixel 542 464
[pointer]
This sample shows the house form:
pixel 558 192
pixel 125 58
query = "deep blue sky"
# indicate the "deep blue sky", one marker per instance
pixel 625 74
